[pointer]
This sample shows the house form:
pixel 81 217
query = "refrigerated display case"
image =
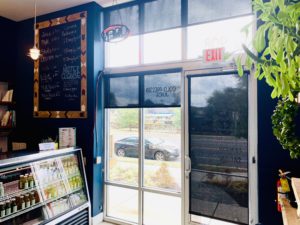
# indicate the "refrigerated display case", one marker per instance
pixel 44 188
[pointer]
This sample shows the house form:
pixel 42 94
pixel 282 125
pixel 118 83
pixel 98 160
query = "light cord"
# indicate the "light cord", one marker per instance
pixel 34 28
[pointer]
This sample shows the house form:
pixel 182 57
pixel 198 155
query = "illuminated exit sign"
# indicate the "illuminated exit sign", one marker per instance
pixel 213 55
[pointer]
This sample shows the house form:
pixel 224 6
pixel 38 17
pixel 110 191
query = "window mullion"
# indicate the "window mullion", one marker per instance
pixel 141 33
pixel 141 166
pixel 184 22
pixel 184 44
pixel 106 152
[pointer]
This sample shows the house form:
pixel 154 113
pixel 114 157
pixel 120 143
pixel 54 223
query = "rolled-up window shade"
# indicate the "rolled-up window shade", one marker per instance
pixel 122 92
pixel 200 11
pixel 143 90
pixel 162 90
pixel 162 14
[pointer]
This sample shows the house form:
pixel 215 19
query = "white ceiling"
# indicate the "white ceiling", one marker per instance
pixel 18 10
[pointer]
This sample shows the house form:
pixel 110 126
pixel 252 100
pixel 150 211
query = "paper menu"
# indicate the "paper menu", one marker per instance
pixel 67 137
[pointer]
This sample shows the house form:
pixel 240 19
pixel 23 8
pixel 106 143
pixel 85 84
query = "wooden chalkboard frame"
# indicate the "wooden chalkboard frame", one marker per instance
pixel 52 113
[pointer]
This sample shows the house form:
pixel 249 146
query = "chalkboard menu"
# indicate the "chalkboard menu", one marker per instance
pixel 60 77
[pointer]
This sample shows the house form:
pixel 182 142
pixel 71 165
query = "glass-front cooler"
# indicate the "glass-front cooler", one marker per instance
pixel 44 188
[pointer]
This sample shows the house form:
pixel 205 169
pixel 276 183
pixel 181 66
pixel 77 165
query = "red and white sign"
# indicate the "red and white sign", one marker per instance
pixel 213 55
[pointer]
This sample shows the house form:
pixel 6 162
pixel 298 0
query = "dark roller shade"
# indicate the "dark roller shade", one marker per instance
pixel 218 146
pixel 161 89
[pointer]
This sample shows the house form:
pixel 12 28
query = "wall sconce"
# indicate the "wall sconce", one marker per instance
pixel 34 52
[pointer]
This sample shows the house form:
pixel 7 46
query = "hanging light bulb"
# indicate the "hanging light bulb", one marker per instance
pixel 34 52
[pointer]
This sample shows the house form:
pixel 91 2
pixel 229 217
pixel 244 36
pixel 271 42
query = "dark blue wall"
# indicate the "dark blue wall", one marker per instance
pixel 8 49
pixel 271 158
pixel 32 130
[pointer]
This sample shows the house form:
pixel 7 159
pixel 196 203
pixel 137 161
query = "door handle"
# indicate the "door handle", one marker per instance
pixel 188 165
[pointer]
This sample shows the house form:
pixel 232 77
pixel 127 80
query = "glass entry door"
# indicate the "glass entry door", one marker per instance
pixel 218 148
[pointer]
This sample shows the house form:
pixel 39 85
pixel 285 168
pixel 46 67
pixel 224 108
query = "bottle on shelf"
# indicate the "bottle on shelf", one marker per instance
pixel 21 182
pixel 31 180
pixel 1 190
pixel 2 209
pixel 32 198
pixel 27 200
pixel 25 181
pixel 22 203
pixel 36 196
pixel 18 202
pixel 14 207
pixel 7 208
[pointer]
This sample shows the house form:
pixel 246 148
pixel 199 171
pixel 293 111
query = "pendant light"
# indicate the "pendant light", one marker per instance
pixel 34 52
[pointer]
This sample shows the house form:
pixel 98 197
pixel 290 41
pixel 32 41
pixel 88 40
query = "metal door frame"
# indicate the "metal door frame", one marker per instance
pixel 193 68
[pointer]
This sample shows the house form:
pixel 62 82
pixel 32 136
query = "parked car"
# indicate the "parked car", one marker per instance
pixel 154 149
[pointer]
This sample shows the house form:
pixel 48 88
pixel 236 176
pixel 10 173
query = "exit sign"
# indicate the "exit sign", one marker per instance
pixel 213 55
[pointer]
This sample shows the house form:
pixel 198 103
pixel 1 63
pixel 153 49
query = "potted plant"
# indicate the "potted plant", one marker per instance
pixel 277 42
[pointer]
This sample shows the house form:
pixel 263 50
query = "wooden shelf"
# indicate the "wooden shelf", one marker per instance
pixel 289 214
pixel 296 189
pixel 7 104
pixel 4 131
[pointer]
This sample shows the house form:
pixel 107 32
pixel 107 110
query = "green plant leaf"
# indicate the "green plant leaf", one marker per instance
pixel 278 85
pixel 266 51
pixel 291 97
pixel 252 55
pixel 280 3
pixel 283 66
pixel 271 81
pixel 257 71
pixel 292 69
pixel 239 66
pixel 261 76
pixel 272 52
pixel 259 41
pixel 283 16
pixel 248 62
pixel 279 56
pixel 274 93
pixel 291 45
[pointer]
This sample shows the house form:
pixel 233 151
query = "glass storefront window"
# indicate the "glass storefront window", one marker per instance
pixel 123 146
pixel 169 211
pixel 162 144
pixel 123 53
pixel 122 203
pixel 225 33
pixel 163 46
pixel 212 10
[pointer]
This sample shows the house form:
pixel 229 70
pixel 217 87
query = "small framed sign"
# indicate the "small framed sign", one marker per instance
pixel 115 33
pixel 67 137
